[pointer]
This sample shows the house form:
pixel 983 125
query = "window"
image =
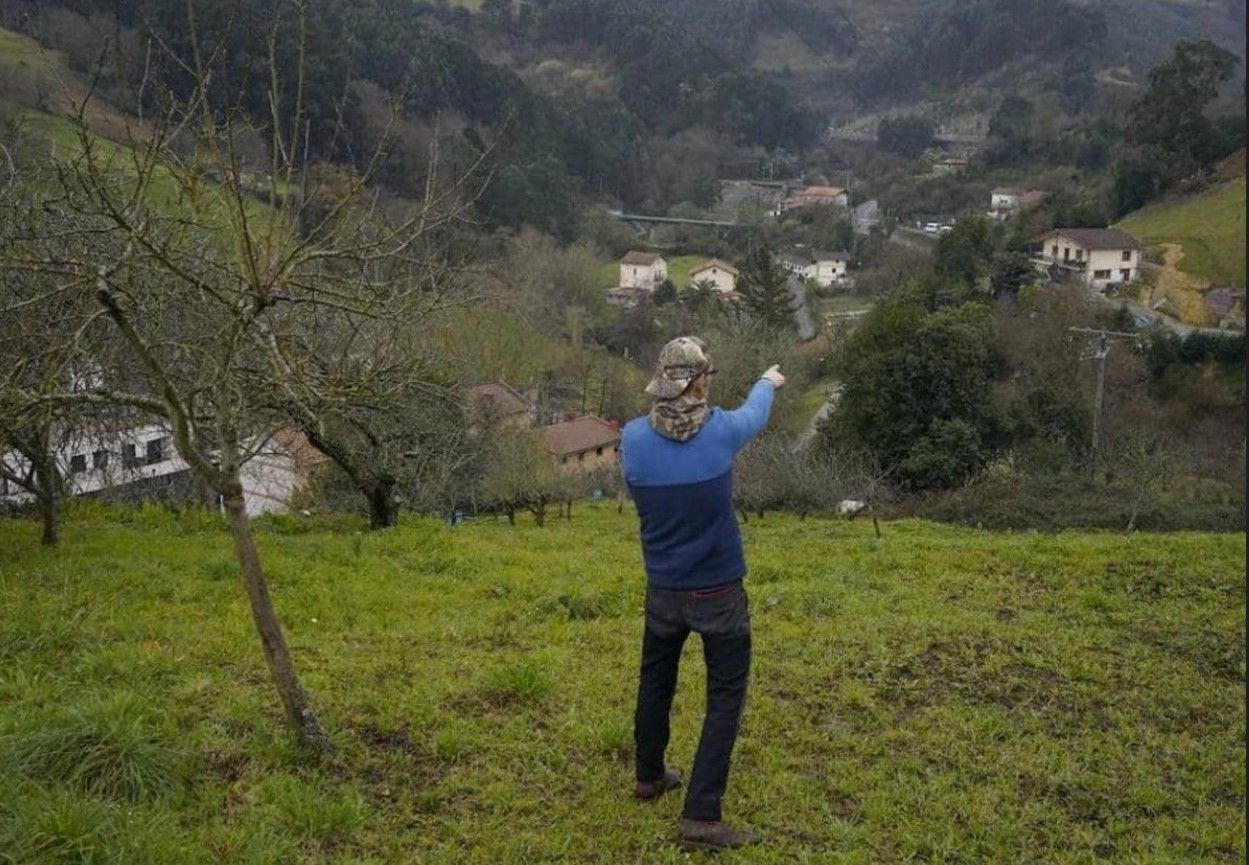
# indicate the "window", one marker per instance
pixel 77 464
pixel 1101 274
pixel 1126 274
pixel 130 456
pixel 99 460
pixel 598 452
pixel 581 457
pixel 1079 255
pixel 1127 255
pixel 155 451
pixel 1054 251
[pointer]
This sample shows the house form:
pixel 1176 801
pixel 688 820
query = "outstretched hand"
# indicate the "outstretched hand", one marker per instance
pixel 773 374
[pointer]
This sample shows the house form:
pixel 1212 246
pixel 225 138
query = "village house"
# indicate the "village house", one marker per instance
pixel 505 403
pixel 721 274
pixel 141 464
pixel 1099 257
pixel 642 270
pixel 582 443
pixel 828 269
pixel 1008 201
pixel 814 196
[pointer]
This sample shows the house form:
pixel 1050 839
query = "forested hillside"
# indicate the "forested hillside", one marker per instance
pixel 583 100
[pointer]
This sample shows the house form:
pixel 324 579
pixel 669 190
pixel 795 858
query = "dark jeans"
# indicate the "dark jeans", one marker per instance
pixel 720 616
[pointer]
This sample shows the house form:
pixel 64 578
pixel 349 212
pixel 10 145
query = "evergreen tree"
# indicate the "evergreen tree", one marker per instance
pixel 764 290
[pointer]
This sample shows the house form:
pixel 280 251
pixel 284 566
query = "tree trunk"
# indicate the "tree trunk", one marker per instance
pixel 1136 510
pixel 876 525
pixel 383 509
pixel 568 511
pixel 276 653
pixel 50 511
pixel 511 516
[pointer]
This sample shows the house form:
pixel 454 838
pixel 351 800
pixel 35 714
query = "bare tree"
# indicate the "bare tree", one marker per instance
pixel 520 475
pixel 213 284
pixel 1146 461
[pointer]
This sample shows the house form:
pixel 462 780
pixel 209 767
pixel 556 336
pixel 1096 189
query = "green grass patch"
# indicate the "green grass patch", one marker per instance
pixel 1210 227
pixel 19 50
pixel 938 695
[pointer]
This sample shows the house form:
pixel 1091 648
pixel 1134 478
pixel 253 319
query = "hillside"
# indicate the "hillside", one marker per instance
pixel 937 695
pixel 1209 228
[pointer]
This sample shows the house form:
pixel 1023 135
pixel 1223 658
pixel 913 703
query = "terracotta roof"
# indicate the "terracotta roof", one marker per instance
pixel 634 257
pixel 585 433
pixel 1098 238
pixel 501 398
pixel 715 262
pixel 823 190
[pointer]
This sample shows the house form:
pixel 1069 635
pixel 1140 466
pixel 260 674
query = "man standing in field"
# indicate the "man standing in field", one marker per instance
pixel 678 463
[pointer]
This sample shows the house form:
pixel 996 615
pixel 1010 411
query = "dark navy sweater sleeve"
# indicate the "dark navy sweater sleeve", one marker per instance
pixel 684 494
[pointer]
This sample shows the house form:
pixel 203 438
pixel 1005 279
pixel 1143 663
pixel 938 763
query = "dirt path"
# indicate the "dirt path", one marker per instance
pixel 1184 292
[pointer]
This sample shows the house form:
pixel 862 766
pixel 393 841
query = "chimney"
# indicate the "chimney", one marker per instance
pixel 570 416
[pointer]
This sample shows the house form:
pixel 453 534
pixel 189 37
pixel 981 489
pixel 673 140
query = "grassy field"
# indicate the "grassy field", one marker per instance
pixel 1210 227
pixel 938 695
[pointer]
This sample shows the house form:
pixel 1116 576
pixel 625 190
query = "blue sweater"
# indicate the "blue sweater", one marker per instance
pixel 684 494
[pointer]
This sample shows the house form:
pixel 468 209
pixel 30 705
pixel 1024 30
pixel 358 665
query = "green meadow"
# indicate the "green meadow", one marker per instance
pixel 936 695
pixel 1209 226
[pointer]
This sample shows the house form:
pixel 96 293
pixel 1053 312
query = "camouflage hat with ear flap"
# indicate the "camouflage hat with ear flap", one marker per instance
pixel 680 362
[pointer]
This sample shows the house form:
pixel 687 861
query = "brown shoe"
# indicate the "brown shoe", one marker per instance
pixel 650 790
pixel 715 835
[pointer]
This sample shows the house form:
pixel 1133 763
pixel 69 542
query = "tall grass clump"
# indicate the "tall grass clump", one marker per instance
pixel 37 828
pixel 521 683
pixel 311 813
pixel 106 748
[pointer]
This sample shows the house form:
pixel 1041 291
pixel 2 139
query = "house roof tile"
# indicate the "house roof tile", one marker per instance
pixel 501 398
pixel 635 257
pixel 1098 238
pixel 587 432
pixel 715 262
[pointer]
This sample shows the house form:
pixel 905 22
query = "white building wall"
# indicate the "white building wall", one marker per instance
pixel 269 479
pixel 1102 267
pixel 1112 267
pixel 829 272
pixel 643 275
pixel 1003 201
pixel 724 281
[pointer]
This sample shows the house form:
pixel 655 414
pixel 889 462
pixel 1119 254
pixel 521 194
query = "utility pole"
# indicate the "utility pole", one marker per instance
pixel 1097 347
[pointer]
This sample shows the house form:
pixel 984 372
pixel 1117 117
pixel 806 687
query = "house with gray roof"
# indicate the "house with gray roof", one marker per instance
pixel 1098 257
